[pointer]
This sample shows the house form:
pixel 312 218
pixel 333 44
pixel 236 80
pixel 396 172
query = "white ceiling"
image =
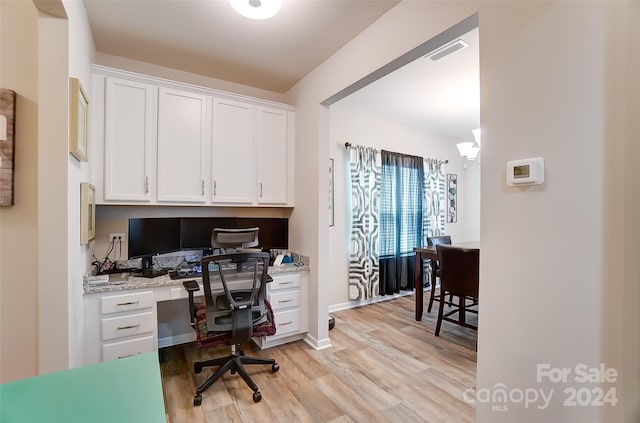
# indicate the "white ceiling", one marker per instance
pixel 209 38
pixel 442 97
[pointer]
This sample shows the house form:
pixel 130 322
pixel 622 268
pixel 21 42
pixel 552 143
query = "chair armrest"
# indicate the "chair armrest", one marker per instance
pixel 191 286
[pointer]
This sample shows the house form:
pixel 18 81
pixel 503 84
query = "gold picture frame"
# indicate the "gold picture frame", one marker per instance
pixel 87 213
pixel 78 120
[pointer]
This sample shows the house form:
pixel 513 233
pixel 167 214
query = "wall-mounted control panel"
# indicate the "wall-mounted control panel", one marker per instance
pixel 525 172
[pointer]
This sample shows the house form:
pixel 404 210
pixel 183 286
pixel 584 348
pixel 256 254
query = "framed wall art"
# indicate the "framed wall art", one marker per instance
pixel 87 213
pixel 78 120
pixel 7 145
pixel 452 198
pixel 331 211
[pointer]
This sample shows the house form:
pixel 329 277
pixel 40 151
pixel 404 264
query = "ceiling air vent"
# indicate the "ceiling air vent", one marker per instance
pixel 447 49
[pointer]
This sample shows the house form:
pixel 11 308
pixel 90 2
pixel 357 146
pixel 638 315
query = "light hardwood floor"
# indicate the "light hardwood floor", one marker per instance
pixel 383 366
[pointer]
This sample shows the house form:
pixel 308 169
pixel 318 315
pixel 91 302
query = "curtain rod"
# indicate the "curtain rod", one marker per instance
pixel 348 145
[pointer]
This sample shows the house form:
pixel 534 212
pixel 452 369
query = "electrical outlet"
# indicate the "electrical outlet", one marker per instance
pixel 117 237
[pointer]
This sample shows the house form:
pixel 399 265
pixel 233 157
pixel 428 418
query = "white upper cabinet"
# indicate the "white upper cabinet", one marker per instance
pixel 129 140
pixel 233 153
pixel 272 156
pixel 183 146
pixel 170 143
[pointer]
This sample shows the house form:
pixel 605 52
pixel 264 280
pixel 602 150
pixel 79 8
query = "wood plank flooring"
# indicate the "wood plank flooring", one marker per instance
pixel 383 366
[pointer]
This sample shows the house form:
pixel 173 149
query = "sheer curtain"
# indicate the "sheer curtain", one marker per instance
pixel 364 163
pixel 401 219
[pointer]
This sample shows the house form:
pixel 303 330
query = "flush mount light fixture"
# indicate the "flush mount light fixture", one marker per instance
pixel 256 9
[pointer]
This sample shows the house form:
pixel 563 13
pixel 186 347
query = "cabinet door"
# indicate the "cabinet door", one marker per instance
pixel 183 140
pixel 129 132
pixel 233 166
pixel 272 156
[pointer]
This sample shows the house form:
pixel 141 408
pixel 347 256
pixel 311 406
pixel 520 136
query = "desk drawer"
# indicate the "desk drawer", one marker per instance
pixel 132 324
pixel 126 302
pixel 287 322
pixel 286 299
pixel 128 348
pixel 284 282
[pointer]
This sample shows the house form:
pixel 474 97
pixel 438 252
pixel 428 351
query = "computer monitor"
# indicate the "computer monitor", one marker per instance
pixel 196 231
pixel 152 236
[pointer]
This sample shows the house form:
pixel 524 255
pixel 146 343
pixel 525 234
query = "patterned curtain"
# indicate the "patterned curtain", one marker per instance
pixel 433 204
pixel 365 203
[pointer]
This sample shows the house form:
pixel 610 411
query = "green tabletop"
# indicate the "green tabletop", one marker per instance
pixel 124 390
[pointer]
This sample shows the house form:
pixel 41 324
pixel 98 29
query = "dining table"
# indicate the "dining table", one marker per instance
pixel 430 253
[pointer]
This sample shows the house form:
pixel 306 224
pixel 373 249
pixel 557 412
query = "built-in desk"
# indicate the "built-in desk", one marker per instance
pixel 142 315
pixel 124 391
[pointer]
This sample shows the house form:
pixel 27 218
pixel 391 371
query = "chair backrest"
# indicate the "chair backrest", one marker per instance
pixel 436 240
pixel 459 269
pixel 234 290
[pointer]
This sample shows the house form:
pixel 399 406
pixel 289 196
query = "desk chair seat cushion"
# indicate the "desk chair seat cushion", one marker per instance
pixel 208 339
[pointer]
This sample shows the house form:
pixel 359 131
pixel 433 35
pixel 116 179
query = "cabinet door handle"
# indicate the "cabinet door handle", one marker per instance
pixel 214 187
pixel 128 327
pixel 203 187
pixel 146 185
pixel 285 301
pixel 128 303
pixel 128 355
pixel 286 323
pixel 286 283
pixel 260 189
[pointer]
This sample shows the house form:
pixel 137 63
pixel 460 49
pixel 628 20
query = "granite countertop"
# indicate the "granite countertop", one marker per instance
pixel 135 282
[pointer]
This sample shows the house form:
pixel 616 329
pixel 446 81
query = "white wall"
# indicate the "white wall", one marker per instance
pixel 53 151
pixel 182 76
pixel 351 125
pixel 81 54
pixel 18 224
pixel 542 274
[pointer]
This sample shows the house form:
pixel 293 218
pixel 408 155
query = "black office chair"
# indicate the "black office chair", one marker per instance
pixel 235 310
pixel 435 267
pixel 459 276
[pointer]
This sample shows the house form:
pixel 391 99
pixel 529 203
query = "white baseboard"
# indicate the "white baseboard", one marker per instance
pixel 378 299
pixel 317 344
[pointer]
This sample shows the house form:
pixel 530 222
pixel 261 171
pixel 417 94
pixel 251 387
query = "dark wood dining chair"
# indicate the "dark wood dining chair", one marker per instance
pixel 459 276
pixel 435 267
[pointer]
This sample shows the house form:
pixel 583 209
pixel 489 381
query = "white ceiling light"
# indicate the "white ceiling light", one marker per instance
pixel 476 134
pixel 256 9
pixel 469 150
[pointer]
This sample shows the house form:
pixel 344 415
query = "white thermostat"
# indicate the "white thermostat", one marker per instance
pixel 525 172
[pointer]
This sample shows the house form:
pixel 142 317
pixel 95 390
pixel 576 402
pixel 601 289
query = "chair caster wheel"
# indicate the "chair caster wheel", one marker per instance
pixel 275 367
pixel 197 400
pixel 257 396
pixel 197 369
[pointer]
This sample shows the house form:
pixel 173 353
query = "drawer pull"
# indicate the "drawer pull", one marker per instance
pixel 286 323
pixel 128 327
pixel 286 283
pixel 285 301
pixel 125 356
pixel 128 303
